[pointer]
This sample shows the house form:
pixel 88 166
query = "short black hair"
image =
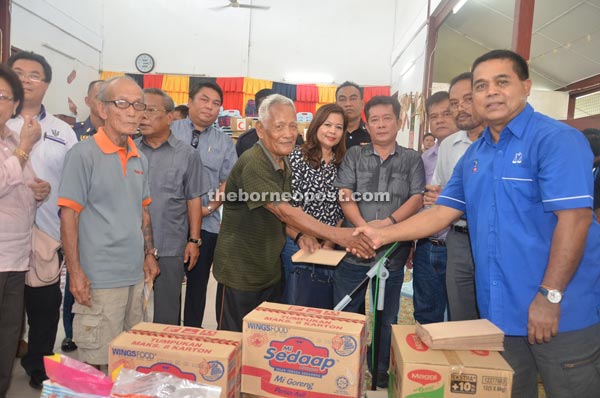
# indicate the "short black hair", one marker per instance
pixel 31 56
pixel 93 83
pixel 261 95
pixel 436 98
pixel 349 84
pixel 183 109
pixel 593 137
pixel 167 100
pixel 383 100
pixel 519 64
pixel 211 85
pixel 7 74
pixel 463 76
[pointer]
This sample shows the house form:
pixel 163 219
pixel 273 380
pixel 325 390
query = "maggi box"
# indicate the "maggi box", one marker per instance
pixel 418 371
pixel 302 352
pixel 206 356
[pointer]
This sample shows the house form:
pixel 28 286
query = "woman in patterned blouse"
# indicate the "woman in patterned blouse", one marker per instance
pixel 314 168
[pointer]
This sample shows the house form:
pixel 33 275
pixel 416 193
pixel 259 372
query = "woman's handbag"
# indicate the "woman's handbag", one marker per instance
pixel 310 286
pixel 44 266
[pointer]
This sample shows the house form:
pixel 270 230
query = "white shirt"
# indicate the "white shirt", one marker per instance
pixel 47 158
pixel 450 151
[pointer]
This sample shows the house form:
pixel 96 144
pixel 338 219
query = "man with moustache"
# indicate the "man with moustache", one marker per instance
pixel 349 96
pixel 248 254
pixel 535 241
pixel 218 156
pixel 105 223
pixel 380 166
pixel 429 259
pixel 460 271
pixel 176 185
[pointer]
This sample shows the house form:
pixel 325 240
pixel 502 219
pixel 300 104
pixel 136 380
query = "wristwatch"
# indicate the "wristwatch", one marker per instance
pixel 153 251
pixel 198 241
pixel 209 208
pixel 554 296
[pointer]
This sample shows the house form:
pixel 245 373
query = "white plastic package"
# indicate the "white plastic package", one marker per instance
pixel 132 384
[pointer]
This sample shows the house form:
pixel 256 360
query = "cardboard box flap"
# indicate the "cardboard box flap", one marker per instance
pixel 306 318
pixel 480 359
pixel 188 331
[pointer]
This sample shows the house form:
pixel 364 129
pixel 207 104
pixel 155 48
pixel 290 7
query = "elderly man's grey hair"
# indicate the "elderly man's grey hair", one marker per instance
pixel 106 84
pixel 264 112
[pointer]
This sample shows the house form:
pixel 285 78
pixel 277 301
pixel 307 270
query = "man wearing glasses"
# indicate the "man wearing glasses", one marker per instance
pixel 218 157
pixel 104 197
pixel 42 304
pixel 175 186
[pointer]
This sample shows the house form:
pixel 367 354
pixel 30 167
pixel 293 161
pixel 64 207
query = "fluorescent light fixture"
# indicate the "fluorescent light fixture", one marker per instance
pixel 304 77
pixel 458 6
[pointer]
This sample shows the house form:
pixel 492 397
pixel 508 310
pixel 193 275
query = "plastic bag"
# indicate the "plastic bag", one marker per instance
pixel 77 376
pixel 131 384
pixel 55 390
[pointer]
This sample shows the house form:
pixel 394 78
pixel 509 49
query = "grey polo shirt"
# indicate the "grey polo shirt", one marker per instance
pixel 402 175
pixel 175 176
pixel 108 192
pixel 218 157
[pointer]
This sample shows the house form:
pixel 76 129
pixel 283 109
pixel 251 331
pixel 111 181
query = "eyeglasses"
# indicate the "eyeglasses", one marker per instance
pixel 124 104
pixel 454 104
pixel 5 98
pixel 152 111
pixel 32 77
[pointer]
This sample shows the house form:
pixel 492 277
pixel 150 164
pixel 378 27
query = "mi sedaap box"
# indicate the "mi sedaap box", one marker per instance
pixel 418 371
pixel 302 352
pixel 206 356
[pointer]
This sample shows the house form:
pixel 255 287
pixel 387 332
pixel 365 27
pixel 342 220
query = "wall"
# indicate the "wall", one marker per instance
pixel 352 41
pixel 67 34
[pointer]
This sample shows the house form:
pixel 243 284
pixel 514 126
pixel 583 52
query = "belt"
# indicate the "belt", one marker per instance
pixel 461 229
pixel 433 241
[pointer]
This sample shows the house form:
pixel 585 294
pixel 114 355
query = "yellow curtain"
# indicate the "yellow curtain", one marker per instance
pixel 326 94
pixel 251 87
pixel 178 87
pixel 105 75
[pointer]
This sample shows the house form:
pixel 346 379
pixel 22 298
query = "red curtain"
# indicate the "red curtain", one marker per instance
pixel 233 92
pixel 307 97
pixel 370 92
pixel 153 81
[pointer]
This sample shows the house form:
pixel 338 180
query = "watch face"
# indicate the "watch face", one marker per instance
pixel 554 296
pixel 144 63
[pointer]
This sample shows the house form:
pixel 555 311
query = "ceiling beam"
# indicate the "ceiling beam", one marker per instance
pixel 585 86
pixel 522 27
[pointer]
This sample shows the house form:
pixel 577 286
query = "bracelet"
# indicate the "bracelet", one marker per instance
pixel 393 220
pixel 21 154
pixel 298 237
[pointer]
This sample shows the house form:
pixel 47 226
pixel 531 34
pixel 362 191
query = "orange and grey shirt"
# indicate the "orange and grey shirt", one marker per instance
pixel 107 185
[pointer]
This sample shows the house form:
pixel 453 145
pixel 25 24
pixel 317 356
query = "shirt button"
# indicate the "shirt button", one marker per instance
pixel 495 283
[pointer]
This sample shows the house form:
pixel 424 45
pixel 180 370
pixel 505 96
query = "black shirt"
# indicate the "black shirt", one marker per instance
pixel 250 137
pixel 358 136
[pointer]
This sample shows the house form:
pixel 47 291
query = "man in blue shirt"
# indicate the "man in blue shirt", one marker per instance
pixel 528 192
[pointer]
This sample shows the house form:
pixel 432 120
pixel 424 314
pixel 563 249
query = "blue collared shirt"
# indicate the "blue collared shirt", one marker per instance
pixel 218 156
pixel 510 191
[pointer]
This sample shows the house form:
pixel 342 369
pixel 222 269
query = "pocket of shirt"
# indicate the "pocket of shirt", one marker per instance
pixel 172 182
pixel 521 188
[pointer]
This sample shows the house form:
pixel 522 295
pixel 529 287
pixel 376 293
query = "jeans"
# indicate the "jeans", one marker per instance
pixel 68 301
pixel 322 273
pixel 347 277
pixel 429 282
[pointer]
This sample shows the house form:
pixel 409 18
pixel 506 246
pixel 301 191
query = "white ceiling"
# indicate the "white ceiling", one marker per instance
pixel 565 45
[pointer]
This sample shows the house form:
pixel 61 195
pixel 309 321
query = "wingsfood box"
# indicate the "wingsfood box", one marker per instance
pixel 206 356
pixel 418 371
pixel 302 352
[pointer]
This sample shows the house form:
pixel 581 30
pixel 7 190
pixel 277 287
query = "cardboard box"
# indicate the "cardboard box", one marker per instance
pixel 238 124
pixel 206 356
pixel 418 371
pixel 302 352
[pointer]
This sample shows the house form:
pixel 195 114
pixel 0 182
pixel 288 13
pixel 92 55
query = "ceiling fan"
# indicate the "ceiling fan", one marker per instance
pixel 236 4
